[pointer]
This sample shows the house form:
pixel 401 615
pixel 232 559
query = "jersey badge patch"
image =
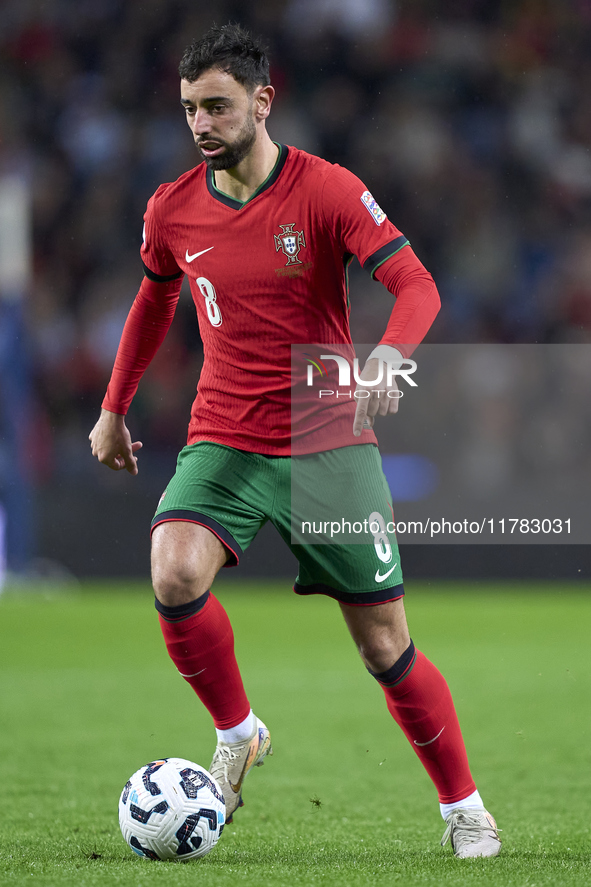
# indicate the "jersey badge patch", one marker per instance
pixel 375 211
pixel 290 242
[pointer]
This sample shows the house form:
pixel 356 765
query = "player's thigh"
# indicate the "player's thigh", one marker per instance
pixel 338 523
pixel 186 558
pixel 223 489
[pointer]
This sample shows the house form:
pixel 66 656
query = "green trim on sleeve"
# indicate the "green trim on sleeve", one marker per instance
pixel 382 255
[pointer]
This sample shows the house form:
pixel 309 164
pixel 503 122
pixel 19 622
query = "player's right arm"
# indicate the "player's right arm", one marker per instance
pixel 145 328
pixel 111 443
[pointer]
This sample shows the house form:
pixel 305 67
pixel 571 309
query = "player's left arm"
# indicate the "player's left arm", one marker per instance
pixel 417 305
pixel 362 228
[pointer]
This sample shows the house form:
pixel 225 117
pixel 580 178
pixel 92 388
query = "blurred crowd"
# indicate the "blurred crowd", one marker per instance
pixel 469 120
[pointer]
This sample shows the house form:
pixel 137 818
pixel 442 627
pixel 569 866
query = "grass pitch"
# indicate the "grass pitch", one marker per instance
pixel 88 695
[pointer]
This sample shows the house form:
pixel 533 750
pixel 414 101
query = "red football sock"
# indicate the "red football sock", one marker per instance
pixel 422 706
pixel 202 648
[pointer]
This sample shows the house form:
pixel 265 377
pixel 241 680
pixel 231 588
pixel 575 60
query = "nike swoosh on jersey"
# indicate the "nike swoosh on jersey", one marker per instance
pixel 192 258
pixel 380 578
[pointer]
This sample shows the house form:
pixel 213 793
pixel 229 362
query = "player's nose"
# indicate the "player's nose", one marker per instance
pixel 200 122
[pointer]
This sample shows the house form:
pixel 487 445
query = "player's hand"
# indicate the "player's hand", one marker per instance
pixel 379 400
pixel 111 443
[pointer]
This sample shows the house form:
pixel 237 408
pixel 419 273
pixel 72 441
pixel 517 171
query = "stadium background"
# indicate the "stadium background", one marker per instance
pixel 469 120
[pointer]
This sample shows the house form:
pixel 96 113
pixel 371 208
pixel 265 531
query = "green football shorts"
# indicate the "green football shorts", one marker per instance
pixel 333 509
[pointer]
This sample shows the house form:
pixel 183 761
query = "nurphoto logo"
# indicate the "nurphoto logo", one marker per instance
pixel 386 376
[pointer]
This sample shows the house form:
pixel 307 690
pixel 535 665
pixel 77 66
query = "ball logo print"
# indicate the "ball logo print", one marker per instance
pixel 207 290
pixel 192 780
pixel 148 771
pixel 144 815
pixel 187 819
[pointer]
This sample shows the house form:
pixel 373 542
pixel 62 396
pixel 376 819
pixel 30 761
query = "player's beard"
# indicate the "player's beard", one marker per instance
pixel 235 151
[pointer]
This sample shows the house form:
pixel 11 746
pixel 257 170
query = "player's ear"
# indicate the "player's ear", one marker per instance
pixel 262 99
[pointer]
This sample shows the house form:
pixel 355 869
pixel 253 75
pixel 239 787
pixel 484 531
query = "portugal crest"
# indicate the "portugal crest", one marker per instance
pixel 290 243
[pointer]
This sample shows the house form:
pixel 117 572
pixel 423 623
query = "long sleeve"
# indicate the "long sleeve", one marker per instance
pixel 417 300
pixel 146 326
pixel 362 229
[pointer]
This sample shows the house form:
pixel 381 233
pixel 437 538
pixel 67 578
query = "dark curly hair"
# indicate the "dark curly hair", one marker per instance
pixel 232 49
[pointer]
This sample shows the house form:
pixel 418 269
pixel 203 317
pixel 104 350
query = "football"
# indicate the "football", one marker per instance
pixel 172 809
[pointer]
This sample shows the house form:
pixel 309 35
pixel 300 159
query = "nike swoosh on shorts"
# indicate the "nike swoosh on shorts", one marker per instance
pixel 380 578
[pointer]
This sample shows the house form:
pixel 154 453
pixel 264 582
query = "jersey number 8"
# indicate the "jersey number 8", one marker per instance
pixel 207 290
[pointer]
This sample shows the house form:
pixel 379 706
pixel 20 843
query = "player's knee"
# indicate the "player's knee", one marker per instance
pixel 380 653
pixel 175 585
pixel 376 659
pixel 185 560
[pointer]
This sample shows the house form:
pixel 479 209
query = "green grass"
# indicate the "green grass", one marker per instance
pixel 88 695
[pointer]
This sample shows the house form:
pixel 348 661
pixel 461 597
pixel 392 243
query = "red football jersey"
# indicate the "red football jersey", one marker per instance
pixel 264 275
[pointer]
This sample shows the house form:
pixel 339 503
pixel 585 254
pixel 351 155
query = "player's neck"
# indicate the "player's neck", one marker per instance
pixel 243 180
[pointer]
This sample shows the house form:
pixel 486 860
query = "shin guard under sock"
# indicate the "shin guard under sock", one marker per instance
pixel 200 642
pixel 420 702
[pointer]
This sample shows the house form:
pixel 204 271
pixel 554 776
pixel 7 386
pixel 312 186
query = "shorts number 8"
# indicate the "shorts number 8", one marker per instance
pixel 377 527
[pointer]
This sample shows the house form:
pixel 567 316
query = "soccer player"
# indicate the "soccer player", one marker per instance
pixel 264 233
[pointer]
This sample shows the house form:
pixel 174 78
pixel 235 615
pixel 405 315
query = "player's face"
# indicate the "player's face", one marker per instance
pixel 221 115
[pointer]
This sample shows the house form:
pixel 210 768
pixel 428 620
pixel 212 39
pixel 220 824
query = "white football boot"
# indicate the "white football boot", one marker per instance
pixel 233 760
pixel 472 832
